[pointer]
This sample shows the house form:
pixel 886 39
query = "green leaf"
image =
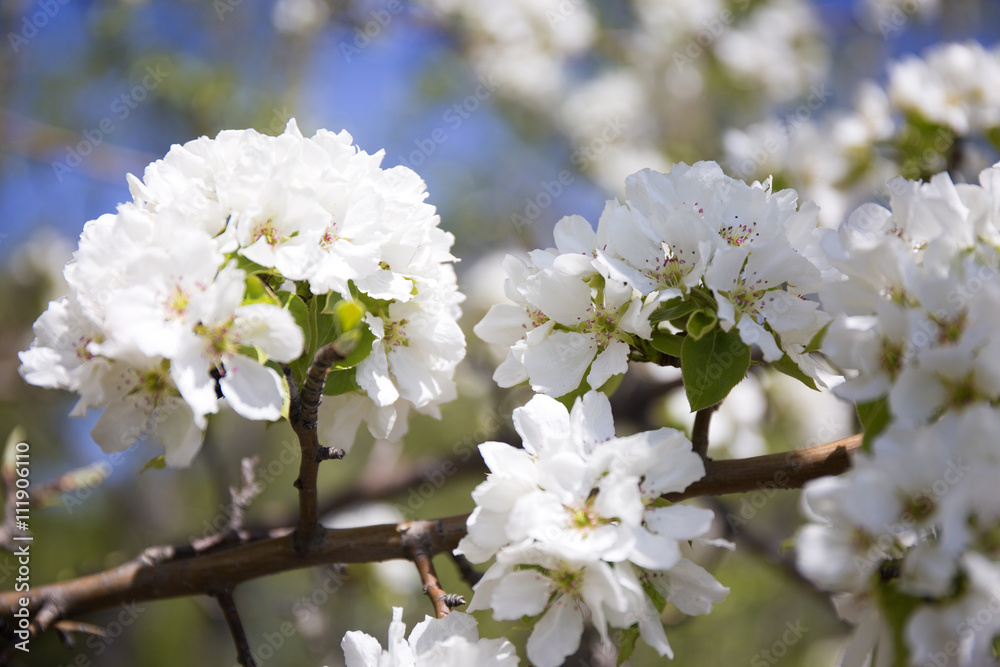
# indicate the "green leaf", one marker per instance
pixel 257 291
pixel 874 417
pixel 791 369
pixel 712 366
pixel 659 601
pixel 817 341
pixel 667 343
pixel 701 322
pixel 363 339
pixel 627 644
pixel 157 463
pixel 672 310
pixel 896 608
pixel 340 382
pixel 348 312
pixel 297 307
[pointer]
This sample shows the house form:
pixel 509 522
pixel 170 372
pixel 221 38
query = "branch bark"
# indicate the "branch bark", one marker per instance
pixel 304 414
pixel 182 572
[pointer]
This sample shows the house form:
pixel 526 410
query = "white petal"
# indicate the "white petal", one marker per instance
pixel 556 635
pixel 522 593
pixel 612 361
pixel 270 328
pixel 252 390
pixel 360 650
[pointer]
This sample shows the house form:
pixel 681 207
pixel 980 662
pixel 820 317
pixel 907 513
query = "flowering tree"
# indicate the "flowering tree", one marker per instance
pixel 295 280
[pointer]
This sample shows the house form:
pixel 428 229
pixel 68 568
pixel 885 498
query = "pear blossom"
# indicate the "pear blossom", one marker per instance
pixel 574 523
pixel 188 297
pixel 693 236
pixel 452 641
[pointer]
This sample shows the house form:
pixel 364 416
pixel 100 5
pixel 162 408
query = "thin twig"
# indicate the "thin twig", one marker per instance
pixel 242 496
pixel 415 542
pixel 228 606
pixel 699 433
pixel 469 574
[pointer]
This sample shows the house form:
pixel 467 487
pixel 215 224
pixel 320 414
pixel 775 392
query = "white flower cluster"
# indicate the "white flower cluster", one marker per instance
pixel 233 247
pixel 737 253
pixel 452 641
pixel 910 530
pixel 955 85
pixel 936 111
pixel 576 527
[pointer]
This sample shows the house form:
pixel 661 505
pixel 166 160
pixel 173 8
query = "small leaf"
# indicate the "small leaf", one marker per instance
pixel 361 338
pixel 297 307
pixel 791 369
pixel 712 366
pixel 667 343
pixel 897 608
pixel 156 463
pixel 817 341
pixel 257 291
pixel 874 417
pixel 672 310
pixel 701 322
pixel 627 644
pixel 348 312
pixel 659 601
pixel 340 382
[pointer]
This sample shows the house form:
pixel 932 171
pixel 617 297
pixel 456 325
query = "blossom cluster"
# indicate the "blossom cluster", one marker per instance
pixel 452 641
pixel 242 251
pixel 936 111
pixel 692 246
pixel 909 533
pixel 576 525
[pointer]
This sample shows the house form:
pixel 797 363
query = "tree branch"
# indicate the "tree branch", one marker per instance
pixel 183 572
pixel 228 606
pixel 303 413
pixel 699 432
pixel 415 544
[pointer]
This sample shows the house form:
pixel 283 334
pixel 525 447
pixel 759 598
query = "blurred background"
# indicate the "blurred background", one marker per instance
pixel 515 113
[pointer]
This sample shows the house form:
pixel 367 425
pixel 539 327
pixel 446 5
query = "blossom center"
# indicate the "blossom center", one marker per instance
pixel 740 234
pixel 395 334
pixel 268 232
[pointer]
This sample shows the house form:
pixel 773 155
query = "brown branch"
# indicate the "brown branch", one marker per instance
pixel 228 606
pixel 788 470
pixel 415 542
pixel 174 572
pixel 470 575
pixel 304 413
pixel 699 432
pixel 140 580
